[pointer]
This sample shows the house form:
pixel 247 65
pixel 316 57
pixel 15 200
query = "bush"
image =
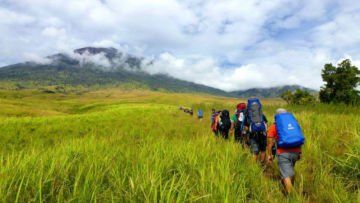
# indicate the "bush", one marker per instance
pixel 298 97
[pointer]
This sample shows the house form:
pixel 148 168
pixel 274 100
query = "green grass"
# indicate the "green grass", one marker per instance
pixel 116 145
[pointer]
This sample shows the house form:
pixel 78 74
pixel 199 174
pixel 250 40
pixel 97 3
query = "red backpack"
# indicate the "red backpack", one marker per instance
pixel 241 106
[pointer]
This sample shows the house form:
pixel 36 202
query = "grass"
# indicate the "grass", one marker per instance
pixel 128 145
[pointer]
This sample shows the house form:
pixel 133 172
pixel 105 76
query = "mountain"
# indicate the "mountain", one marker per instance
pixel 91 66
pixel 97 66
pixel 273 92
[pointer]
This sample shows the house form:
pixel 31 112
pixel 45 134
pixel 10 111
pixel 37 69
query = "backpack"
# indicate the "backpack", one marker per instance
pixel 240 119
pixel 241 106
pixel 255 116
pixel 225 123
pixel 200 113
pixel 289 131
pixel 214 121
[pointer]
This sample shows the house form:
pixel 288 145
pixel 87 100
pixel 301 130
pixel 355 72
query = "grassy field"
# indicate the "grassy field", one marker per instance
pixel 133 145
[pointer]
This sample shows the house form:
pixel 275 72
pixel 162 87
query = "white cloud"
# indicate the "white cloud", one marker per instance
pixel 259 39
pixel 208 72
pixel 86 57
pixel 53 32
pixel 36 58
pixel 14 18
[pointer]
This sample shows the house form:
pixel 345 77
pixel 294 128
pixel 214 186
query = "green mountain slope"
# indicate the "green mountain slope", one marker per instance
pixel 65 70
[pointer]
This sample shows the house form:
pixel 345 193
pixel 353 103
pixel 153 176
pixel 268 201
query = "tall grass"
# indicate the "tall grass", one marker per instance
pixel 138 146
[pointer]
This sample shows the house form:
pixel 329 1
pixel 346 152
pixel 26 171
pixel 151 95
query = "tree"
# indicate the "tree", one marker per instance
pixel 287 96
pixel 340 83
pixel 298 97
pixel 302 97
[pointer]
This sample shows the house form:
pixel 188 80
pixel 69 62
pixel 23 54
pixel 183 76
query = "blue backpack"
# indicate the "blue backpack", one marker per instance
pixel 255 116
pixel 289 131
pixel 200 113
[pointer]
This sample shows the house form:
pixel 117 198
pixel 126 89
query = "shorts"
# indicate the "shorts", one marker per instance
pixel 286 161
pixel 224 133
pixel 257 142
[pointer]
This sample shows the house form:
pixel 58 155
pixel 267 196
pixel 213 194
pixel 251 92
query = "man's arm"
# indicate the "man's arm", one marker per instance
pixel 232 125
pixel 270 142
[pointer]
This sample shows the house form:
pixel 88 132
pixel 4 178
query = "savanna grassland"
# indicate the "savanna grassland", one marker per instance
pixel 135 146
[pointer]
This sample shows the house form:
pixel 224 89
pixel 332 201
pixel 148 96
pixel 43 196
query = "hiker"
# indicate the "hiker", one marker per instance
pixel 256 123
pixel 200 114
pixel 287 135
pixel 238 124
pixel 224 124
pixel 214 122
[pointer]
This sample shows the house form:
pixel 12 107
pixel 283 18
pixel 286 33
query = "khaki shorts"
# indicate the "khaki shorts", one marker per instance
pixel 287 162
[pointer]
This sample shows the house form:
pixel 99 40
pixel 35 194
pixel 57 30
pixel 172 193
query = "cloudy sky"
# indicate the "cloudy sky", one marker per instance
pixel 228 44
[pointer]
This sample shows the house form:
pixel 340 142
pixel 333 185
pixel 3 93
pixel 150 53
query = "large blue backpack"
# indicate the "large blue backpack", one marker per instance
pixel 289 131
pixel 255 116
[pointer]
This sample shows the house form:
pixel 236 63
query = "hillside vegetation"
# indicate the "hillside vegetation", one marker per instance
pixel 132 145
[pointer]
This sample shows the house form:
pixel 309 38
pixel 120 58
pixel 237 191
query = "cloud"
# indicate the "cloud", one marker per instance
pixel 53 32
pixel 231 39
pixel 36 58
pixel 208 72
pixel 12 18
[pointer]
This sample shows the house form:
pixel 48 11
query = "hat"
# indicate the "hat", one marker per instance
pixel 280 110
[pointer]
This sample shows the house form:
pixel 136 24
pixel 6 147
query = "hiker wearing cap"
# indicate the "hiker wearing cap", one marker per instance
pixel 256 122
pixel 287 135
pixel 238 123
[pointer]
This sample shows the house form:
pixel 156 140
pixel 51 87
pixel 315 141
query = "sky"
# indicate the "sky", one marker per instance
pixel 227 44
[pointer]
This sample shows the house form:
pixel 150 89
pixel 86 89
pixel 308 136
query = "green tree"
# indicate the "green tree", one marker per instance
pixel 287 96
pixel 340 83
pixel 298 97
pixel 302 97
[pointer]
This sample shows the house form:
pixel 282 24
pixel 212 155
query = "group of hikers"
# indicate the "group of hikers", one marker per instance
pixel 186 110
pixel 283 139
pixel 190 111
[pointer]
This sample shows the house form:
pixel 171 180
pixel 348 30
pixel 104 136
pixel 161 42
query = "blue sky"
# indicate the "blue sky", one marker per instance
pixel 228 44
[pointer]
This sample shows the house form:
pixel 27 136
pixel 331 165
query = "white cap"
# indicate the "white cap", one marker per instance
pixel 280 110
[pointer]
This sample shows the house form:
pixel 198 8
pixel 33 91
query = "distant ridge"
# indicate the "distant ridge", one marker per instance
pixel 272 92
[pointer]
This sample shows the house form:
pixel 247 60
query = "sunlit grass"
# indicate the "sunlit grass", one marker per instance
pixel 120 145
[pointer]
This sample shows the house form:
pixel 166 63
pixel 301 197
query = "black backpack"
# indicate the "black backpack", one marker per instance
pixel 225 123
pixel 240 119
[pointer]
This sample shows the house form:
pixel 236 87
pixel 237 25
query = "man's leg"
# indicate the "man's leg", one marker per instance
pixel 288 184
pixel 254 147
pixel 262 146
pixel 226 134
pixel 286 163
pixel 262 157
